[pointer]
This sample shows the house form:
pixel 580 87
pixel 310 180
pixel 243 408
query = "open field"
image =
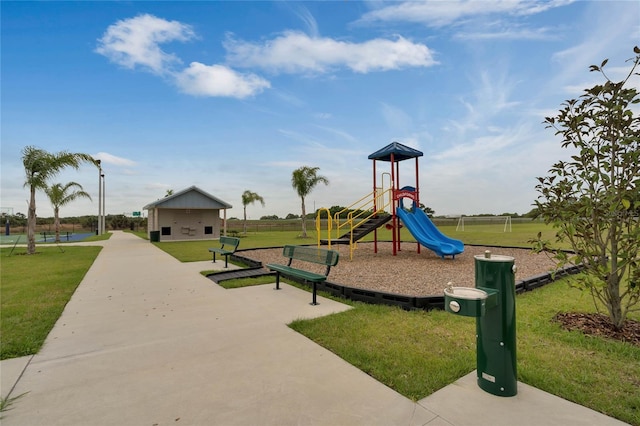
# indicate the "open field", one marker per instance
pixel 192 251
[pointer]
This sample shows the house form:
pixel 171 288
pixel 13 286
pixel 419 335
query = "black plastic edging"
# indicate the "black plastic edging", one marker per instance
pixel 411 302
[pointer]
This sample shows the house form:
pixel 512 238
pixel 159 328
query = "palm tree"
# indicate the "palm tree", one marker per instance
pixel 304 180
pixel 249 197
pixel 39 167
pixel 59 196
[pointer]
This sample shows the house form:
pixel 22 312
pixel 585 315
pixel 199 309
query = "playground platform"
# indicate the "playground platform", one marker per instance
pixel 147 340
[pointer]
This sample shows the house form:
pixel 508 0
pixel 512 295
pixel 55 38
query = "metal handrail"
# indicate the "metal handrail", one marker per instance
pixel 319 226
pixel 353 225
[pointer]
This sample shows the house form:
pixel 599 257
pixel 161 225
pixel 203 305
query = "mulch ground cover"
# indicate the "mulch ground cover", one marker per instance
pixel 599 325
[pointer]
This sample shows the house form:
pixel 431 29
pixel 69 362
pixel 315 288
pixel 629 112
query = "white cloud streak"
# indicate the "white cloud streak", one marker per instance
pixel 107 158
pixel 296 52
pixel 442 13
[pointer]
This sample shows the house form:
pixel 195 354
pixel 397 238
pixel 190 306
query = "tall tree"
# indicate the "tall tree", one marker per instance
pixel 39 167
pixel 303 181
pixel 593 199
pixel 249 197
pixel 61 195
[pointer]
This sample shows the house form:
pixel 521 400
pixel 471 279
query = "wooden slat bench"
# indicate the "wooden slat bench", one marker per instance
pixel 317 255
pixel 228 246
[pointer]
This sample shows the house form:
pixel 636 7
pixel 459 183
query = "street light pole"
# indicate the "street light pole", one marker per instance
pixel 99 224
pixel 104 209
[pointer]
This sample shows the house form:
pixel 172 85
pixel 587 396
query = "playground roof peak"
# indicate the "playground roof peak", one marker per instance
pixel 400 152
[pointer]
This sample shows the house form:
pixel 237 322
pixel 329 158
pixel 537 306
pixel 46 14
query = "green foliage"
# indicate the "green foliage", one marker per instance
pixel 593 199
pixel 428 210
pixel 270 217
pixel 303 181
pixel 61 195
pixel 6 403
pixel 40 166
pixel 249 197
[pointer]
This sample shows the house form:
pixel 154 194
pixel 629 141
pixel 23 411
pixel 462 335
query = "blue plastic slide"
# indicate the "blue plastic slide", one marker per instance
pixel 427 234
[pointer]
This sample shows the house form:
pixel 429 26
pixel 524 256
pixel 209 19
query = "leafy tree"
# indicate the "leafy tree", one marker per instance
pixel 428 210
pixel 335 209
pixel 18 219
pixel 39 167
pixel 118 221
pixel 593 199
pixel 249 197
pixel 303 181
pixel 61 195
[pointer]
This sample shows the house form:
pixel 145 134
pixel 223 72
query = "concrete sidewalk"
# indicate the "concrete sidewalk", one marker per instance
pixel 147 340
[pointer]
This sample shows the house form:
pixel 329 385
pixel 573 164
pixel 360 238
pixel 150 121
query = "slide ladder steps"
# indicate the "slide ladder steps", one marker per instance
pixel 362 230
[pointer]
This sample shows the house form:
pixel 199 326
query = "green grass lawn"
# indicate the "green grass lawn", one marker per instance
pixel 414 352
pixel 417 352
pixel 34 290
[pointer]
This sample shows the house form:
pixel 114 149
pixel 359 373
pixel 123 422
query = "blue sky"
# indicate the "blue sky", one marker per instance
pixel 233 96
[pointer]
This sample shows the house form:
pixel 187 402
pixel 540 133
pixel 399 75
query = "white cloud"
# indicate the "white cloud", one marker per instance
pixel 107 158
pixel 135 42
pixel 307 18
pixel 442 13
pixel 217 80
pixel 294 52
pixel 509 32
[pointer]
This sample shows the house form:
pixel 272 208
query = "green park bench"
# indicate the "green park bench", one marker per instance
pixel 228 246
pixel 317 255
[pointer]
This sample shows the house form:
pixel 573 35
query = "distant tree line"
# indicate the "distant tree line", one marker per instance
pixel 88 222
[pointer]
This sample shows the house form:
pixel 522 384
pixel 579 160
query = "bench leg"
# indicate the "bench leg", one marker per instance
pixel 226 260
pixel 214 257
pixel 314 295
pixel 277 281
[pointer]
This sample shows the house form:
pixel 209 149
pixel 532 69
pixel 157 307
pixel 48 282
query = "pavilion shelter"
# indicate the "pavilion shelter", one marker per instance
pixel 190 214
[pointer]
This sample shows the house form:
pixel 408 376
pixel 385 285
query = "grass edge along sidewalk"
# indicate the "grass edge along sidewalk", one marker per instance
pixel 413 352
pixel 34 289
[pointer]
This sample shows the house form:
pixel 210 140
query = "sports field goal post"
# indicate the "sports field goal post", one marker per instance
pixel 504 221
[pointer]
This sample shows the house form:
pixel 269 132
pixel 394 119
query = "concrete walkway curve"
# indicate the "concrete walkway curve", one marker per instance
pixel 147 340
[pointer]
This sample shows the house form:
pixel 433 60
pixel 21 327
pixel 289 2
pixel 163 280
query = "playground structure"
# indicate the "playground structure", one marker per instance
pixel 384 206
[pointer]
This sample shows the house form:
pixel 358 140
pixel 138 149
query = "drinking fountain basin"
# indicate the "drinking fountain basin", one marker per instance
pixel 469 293
pixel 466 301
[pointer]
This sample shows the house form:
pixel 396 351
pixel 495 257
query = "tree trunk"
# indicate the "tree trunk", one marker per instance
pixel 615 302
pixel 31 223
pixel 56 222
pixel 613 286
pixel 612 279
pixel 304 217
pixel 245 221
